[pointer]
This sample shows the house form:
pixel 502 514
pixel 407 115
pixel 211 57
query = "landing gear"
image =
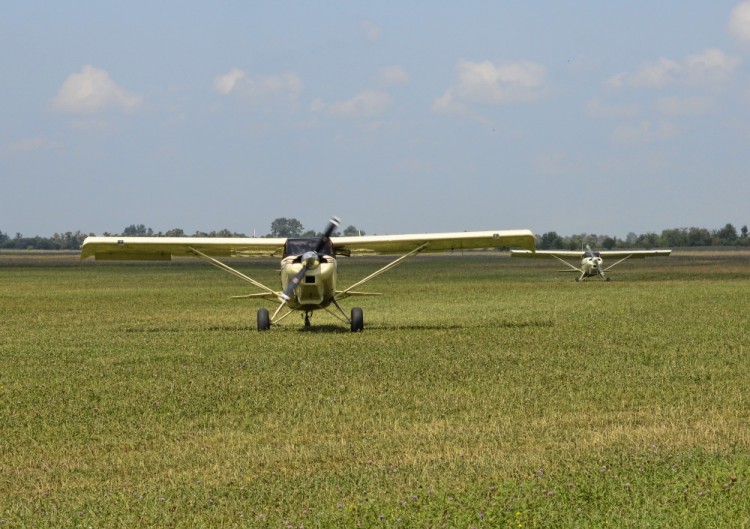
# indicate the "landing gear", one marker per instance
pixel 307 320
pixel 264 321
pixel 358 320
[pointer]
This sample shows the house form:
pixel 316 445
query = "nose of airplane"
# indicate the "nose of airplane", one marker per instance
pixel 310 260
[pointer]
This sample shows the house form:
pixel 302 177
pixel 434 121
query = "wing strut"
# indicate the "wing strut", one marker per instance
pixel 227 268
pixel 618 262
pixel 566 263
pixel 345 293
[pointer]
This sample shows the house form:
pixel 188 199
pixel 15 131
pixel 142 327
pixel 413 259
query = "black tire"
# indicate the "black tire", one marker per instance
pixel 358 320
pixel 264 320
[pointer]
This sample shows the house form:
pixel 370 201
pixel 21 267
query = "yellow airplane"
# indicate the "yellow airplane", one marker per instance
pixel 591 261
pixel 308 265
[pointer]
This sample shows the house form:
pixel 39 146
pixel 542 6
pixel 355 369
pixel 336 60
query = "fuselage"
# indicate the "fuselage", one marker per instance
pixel 317 287
pixel 591 264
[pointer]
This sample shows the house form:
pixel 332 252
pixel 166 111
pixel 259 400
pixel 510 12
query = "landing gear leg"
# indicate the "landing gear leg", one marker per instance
pixel 307 320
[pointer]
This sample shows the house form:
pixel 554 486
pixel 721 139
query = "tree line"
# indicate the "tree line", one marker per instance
pixel 671 238
pixel 291 227
pixel 280 227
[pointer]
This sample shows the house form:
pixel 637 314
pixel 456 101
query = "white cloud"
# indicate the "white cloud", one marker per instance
pixel 226 83
pixel 645 132
pixel 394 76
pixel 653 75
pixel 366 104
pixel 739 21
pixel 259 90
pixel 490 83
pixel 91 91
pixel 710 67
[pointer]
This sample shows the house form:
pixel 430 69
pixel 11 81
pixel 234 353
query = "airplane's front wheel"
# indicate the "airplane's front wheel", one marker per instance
pixel 264 321
pixel 358 320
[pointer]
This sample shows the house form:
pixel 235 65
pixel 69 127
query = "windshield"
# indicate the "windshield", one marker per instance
pixel 300 246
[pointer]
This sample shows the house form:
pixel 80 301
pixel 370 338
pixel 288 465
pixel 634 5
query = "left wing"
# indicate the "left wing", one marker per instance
pixel 164 248
pixel 433 242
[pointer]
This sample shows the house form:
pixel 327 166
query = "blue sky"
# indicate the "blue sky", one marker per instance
pixel 573 116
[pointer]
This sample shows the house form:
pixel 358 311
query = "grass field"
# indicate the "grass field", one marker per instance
pixel 484 392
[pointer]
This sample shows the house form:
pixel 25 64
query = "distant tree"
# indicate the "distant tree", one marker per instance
pixel 352 231
pixel 648 240
pixel 64 241
pixel 609 243
pixel 175 232
pixel 727 235
pixel 283 227
pixel 699 237
pixel 138 231
pixel 676 237
pixel 550 241
pixel 3 237
pixel 575 242
pixel 743 233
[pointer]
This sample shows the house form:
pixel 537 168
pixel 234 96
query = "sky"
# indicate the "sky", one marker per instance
pixel 398 117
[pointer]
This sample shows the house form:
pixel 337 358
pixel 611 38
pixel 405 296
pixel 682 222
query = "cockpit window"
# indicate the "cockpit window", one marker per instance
pixel 300 246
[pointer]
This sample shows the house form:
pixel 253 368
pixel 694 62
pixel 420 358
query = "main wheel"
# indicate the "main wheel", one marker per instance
pixel 358 320
pixel 264 321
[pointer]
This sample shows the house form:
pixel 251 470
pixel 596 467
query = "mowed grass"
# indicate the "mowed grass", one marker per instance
pixel 484 392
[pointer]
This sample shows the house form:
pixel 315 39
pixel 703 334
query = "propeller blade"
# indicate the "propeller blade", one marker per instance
pixel 332 225
pixel 286 296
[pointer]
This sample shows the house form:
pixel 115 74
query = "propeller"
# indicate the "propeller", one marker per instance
pixel 310 260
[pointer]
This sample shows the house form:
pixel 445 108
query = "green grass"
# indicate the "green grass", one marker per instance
pixel 484 392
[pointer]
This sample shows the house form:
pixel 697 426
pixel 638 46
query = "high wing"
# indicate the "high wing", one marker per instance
pixel 164 248
pixel 433 242
pixel 566 254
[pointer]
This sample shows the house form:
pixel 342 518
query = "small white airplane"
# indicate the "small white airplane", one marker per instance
pixel 591 261
pixel 308 265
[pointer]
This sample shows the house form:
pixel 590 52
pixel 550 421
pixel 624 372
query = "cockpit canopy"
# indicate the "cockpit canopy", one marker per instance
pixel 295 247
pixel 591 253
